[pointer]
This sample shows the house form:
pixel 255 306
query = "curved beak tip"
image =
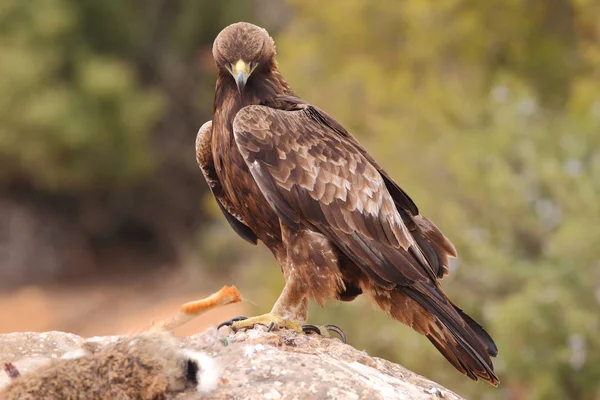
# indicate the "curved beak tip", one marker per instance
pixel 240 80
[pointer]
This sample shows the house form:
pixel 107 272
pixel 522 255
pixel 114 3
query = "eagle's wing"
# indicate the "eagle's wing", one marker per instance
pixel 205 162
pixel 313 173
pixel 435 246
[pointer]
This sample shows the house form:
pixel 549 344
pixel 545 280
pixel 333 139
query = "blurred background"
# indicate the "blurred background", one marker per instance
pixel 486 113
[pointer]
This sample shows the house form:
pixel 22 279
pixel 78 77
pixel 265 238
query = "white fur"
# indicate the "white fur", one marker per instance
pixel 208 370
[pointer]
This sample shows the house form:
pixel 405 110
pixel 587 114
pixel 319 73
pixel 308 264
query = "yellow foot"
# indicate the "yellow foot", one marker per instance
pixel 274 322
pixel 269 320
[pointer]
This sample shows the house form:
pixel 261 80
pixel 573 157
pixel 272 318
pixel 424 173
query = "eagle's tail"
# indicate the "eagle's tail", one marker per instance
pixel 463 342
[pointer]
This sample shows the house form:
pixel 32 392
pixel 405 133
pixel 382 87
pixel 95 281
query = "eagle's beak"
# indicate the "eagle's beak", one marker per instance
pixel 241 72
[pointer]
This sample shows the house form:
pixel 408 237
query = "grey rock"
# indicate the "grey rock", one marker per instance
pixel 255 364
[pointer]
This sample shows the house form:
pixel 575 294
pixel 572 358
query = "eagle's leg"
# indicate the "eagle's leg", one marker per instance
pixel 292 303
pixel 290 310
pixel 310 266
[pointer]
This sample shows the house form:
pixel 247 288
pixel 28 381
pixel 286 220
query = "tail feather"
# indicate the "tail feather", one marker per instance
pixel 481 333
pixel 461 340
pixel 451 356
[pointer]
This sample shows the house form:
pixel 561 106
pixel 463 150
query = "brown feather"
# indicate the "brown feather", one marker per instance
pixel 433 315
pixel 315 260
pixel 205 161
pixel 454 334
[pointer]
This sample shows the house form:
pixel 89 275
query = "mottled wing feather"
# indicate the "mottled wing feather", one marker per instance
pixel 311 175
pixel 205 162
pixel 401 199
pixel 434 245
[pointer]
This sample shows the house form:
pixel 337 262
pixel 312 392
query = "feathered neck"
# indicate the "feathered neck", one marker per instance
pixel 263 87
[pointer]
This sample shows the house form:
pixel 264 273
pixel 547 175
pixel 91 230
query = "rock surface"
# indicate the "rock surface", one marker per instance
pixel 256 364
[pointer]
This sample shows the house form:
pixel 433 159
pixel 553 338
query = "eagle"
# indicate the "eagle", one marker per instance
pixel 285 173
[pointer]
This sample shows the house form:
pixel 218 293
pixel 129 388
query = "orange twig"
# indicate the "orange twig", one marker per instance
pixel 188 311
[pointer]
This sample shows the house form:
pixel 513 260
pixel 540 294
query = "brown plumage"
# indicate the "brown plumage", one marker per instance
pixel 289 175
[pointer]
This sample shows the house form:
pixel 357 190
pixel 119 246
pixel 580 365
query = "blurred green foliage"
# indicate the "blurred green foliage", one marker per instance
pixel 83 84
pixel 100 102
pixel 72 117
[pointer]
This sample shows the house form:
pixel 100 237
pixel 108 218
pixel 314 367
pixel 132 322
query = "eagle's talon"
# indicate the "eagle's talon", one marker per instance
pixel 271 326
pixel 324 330
pixel 307 329
pixel 338 330
pixel 231 321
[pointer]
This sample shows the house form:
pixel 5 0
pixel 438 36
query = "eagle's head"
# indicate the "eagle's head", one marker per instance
pixel 242 49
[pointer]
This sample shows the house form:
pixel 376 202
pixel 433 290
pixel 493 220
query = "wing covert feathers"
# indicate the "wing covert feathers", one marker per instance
pixel 311 174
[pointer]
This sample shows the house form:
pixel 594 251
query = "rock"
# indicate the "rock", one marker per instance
pixel 31 350
pixel 254 364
